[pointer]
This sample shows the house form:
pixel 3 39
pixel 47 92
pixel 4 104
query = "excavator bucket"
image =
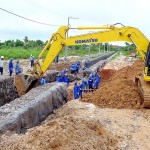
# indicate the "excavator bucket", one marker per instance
pixel 24 83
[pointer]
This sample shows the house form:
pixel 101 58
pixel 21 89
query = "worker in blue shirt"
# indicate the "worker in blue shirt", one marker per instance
pixel 77 68
pixel 78 63
pixel 43 79
pixel 10 66
pixel 85 84
pixel 18 70
pixel 32 60
pixel 73 69
pixel 90 83
pixel 58 78
pixel 76 90
pixel 81 87
pixel 83 68
pixel 66 79
pixel 64 71
pixel 88 63
pixel 97 81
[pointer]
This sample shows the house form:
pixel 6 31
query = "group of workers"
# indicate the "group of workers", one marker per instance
pixel 10 66
pixel 16 67
pixel 86 85
pixel 74 69
pixel 63 77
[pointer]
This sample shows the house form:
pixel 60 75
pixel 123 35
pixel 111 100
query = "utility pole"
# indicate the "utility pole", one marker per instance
pixel 68 23
pixel 89 50
pixel 104 47
pixel 99 47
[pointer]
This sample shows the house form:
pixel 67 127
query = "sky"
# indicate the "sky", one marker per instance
pixel 134 13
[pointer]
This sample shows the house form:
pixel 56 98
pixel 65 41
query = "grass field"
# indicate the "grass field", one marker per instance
pixel 20 53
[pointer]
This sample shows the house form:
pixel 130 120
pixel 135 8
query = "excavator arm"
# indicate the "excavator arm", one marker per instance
pixel 107 33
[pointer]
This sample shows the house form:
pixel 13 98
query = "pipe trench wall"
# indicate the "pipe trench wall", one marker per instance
pixel 32 108
pixel 98 63
pixel 8 91
pixel 101 57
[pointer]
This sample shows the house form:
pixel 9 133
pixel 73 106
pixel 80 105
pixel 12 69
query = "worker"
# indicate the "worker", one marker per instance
pixel 83 68
pixel 81 88
pixel 76 90
pixel 77 67
pixel 10 66
pixel 66 79
pixel 57 59
pixel 58 78
pixel 18 70
pixel 97 81
pixel 85 84
pixel 64 71
pixel 1 64
pixel 43 79
pixel 90 83
pixel 88 63
pixel 73 69
pixel 32 60
pixel 79 63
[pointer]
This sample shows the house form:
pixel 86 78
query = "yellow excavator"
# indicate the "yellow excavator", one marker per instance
pixel 106 33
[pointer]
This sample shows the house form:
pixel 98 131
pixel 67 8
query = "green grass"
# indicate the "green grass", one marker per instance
pixel 20 53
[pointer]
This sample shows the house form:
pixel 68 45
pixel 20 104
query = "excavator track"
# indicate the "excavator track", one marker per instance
pixel 144 88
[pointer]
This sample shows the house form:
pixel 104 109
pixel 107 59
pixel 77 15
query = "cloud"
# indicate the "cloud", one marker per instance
pixel 131 13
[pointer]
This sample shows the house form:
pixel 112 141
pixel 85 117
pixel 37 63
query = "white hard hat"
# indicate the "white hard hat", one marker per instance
pixel 2 57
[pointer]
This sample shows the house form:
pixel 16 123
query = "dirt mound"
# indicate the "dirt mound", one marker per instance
pixel 107 73
pixel 71 129
pixel 61 65
pixel 119 90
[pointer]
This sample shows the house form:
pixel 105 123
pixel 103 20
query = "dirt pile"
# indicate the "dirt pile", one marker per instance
pixel 61 65
pixel 117 89
pixel 72 128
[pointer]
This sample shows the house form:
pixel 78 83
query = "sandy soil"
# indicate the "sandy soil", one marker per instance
pixel 71 128
pixel 120 62
pixel 82 126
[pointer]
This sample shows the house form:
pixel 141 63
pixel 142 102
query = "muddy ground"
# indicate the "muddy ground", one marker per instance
pixel 112 119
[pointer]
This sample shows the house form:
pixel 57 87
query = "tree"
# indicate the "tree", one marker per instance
pixel 39 43
pixel 127 44
pixel 26 39
pixel 10 43
pixel 19 43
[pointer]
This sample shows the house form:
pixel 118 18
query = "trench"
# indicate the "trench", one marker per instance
pixel 20 113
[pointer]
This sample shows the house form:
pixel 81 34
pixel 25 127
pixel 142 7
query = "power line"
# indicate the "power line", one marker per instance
pixel 28 18
pixel 46 9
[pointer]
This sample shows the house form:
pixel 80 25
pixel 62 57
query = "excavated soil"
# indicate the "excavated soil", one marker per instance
pixel 71 129
pixel 117 89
